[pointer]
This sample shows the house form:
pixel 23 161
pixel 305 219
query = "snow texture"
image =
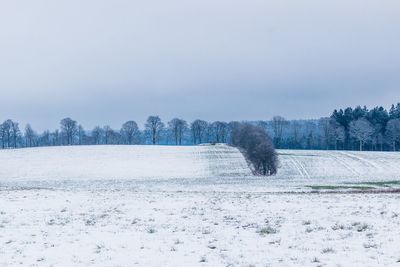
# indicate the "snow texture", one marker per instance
pixel 193 206
pixel 197 167
pixel 121 162
pixel 127 228
pixel 338 166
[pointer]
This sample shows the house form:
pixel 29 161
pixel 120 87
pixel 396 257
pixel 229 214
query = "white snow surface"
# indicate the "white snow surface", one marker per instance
pixel 338 166
pixel 122 162
pixel 193 206
pixel 128 228
pixel 188 168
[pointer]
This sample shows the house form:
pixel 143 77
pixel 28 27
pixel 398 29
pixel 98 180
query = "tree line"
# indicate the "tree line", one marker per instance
pixel 70 132
pixel 356 128
pixel 252 140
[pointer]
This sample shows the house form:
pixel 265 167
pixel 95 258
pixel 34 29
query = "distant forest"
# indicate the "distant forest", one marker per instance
pixel 346 129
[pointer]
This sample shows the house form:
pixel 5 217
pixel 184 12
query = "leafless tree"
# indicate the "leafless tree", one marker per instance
pixel 177 127
pixel 130 132
pixel 55 138
pixel 30 136
pixel 97 135
pixel 9 133
pixel 325 126
pixel 279 124
pixel 310 129
pixel 219 129
pixel 296 128
pixel 2 136
pixel 15 132
pixel 393 132
pixel 257 146
pixel 231 126
pixel 338 133
pixel 377 136
pixel 108 132
pixel 69 130
pixel 81 135
pixel 154 126
pixel 6 133
pixel 198 128
pixel 44 138
pixel 361 130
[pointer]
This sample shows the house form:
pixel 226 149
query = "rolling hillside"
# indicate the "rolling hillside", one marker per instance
pixel 338 166
pixel 121 163
pixel 187 165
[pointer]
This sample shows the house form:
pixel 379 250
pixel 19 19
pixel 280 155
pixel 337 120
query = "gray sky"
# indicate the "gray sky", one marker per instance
pixel 104 62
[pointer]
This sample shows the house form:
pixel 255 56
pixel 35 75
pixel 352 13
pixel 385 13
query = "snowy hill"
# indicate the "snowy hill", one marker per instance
pixel 121 162
pixel 338 166
pixel 207 164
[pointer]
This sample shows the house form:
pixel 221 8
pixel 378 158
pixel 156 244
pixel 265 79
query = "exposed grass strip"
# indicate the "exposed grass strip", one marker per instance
pixel 382 183
pixel 340 187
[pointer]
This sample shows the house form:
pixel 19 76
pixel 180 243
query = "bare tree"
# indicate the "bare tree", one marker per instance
pixel 69 129
pixel 377 136
pixel 44 138
pixel 296 128
pixel 15 133
pixel 108 132
pixel 257 146
pixel 338 133
pixel 231 126
pixel 326 129
pixel 154 125
pixel 130 132
pixel 115 137
pixel 81 135
pixel 279 124
pixel 177 127
pixel 97 135
pixel 361 130
pixel 9 134
pixel 6 133
pixel 55 138
pixel 3 135
pixel 198 128
pixel 393 132
pixel 220 131
pixel 310 129
pixel 30 136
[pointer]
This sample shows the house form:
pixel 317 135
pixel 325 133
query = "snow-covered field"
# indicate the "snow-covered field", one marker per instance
pixel 338 166
pixel 188 168
pixel 194 206
pixel 129 228
pixel 121 163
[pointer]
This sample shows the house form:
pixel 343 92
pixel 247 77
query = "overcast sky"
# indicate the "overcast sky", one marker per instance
pixel 105 62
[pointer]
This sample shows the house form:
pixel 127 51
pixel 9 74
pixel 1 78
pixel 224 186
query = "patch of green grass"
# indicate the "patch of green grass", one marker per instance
pixel 151 231
pixel 267 231
pixel 339 187
pixel 328 250
pixel 382 183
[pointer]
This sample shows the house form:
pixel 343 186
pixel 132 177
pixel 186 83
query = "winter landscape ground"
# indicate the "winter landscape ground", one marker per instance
pixel 197 206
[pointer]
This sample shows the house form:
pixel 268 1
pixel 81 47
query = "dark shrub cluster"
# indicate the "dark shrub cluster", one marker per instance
pixel 257 147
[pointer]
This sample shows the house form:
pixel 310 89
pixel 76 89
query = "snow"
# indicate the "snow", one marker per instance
pixel 345 166
pixel 193 206
pixel 121 162
pixel 187 168
pixel 129 228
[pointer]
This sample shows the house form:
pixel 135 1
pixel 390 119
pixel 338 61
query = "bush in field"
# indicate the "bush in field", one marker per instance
pixel 257 147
